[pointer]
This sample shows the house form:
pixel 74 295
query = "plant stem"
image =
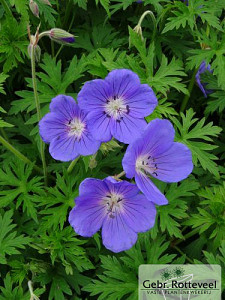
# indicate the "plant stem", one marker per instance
pixel 6 8
pixel 67 12
pixel 3 134
pixel 182 253
pixel 32 295
pixel 188 235
pixel 72 164
pixel 149 12
pixel 19 154
pixel 190 88
pixel 119 175
pixel 37 103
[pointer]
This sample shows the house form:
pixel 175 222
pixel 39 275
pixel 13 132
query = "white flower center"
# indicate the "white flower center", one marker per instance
pixel 113 203
pixel 146 165
pixel 116 108
pixel 76 128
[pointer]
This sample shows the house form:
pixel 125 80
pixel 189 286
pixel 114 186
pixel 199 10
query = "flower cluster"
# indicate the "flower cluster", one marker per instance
pixel 116 107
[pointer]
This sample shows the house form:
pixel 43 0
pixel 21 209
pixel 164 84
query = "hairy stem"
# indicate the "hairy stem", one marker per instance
pixel 119 175
pixel 190 88
pixel 32 295
pixel 18 154
pixel 188 235
pixel 72 164
pixel 182 253
pixel 150 13
pixel 37 103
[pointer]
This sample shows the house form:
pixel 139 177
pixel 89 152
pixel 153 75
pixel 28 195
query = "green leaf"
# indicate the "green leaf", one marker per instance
pixel 176 210
pixel 10 241
pixel 210 215
pixel 20 187
pixel 64 247
pixel 122 272
pixel 196 135
pixel 187 15
pixel 13 47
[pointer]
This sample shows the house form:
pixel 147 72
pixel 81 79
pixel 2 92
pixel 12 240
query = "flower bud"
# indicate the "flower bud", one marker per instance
pixel 109 146
pixel 46 2
pixel 37 52
pixel 92 163
pixel 61 36
pixel 34 8
pixel 138 30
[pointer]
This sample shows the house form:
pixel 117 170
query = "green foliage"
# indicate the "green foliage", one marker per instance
pixel 20 187
pixel 123 272
pixel 13 47
pixel 188 14
pixel 10 241
pixel 177 210
pixel 210 215
pixel 196 136
pixel 2 122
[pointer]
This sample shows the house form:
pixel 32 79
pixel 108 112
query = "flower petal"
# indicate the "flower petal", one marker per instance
pixel 148 188
pixel 124 188
pixel 51 126
pixel 139 213
pixel 175 164
pixel 128 129
pixel 87 145
pixel 100 126
pixel 142 102
pixel 93 186
pixel 94 94
pixel 87 216
pixel 124 82
pixel 130 156
pixel 157 137
pixel 117 236
pixel 63 148
pixel 65 106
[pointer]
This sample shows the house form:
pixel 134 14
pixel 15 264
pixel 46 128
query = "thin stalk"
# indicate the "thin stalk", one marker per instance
pixel 67 12
pixel 72 164
pixel 53 48
pixel 4 134
pixel 6 8
pixel 150 13
pixel 18 154
pixel 119 175
pixel 190 88
pixel 188 235
pixel 37 103
pixel 182 253
pixel 32 295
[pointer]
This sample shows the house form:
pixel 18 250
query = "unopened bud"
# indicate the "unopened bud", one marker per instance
pixel 138 30
pixel 34 8
pixel 93 163
pixel 46 2
pixel 37 52
pixel 61 36
pixel 109 146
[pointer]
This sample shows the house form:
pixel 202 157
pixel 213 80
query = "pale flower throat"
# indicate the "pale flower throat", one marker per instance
pixel 146 165
pixel 116 108
pixel 113 203
pixel 76 128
